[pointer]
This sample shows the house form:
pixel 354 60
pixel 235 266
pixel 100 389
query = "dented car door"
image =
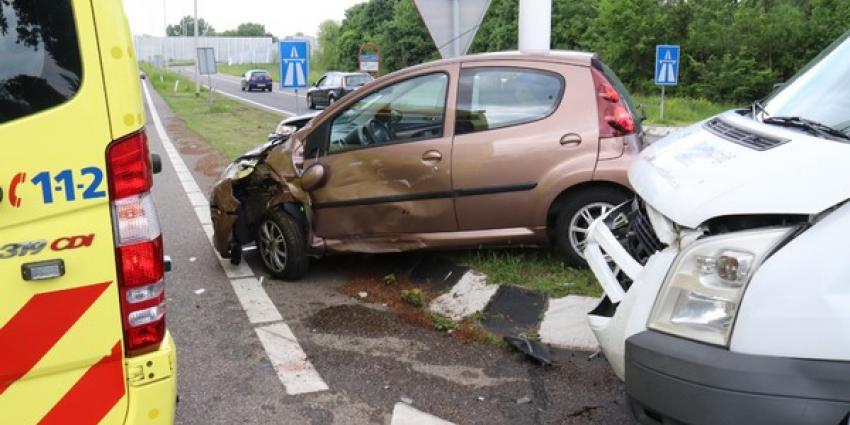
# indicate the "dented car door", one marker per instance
pixel 388 160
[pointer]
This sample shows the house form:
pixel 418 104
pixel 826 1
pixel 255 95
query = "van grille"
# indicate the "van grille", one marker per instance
pixel 742 136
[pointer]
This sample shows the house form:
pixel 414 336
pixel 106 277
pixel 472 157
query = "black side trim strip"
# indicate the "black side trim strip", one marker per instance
pixel 495 189
pixel 427 195
pixel 384 200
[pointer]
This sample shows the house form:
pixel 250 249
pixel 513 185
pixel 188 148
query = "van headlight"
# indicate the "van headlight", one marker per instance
pixel 701 294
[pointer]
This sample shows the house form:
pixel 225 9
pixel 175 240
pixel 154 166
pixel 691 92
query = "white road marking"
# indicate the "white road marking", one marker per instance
pixel 289 360
pixel 468 296
pixel 565 323
pixel 404 414
pixel 249 101
pixel 255 301
pixel 293 369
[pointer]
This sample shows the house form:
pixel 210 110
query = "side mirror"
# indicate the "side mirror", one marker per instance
pixel 313 177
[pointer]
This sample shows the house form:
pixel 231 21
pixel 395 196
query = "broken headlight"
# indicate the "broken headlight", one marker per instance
pixel 285 130
pixel 703 289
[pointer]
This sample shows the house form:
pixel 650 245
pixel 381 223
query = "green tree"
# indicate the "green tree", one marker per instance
pixel 326 56
pixel 186 28
pixel 248 29
pixel 405 41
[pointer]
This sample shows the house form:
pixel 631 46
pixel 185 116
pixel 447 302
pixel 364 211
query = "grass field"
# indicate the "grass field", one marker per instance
pixel 538 269
pixel 679 110
pixel 228 126
pixel 272 68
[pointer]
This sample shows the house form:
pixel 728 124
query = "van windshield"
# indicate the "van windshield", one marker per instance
pixel 820 91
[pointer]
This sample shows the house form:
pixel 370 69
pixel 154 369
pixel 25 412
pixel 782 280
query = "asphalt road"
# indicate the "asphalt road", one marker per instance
pixel 368 358
pixel 279 101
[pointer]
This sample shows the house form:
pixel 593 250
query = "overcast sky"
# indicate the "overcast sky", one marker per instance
pixel 281 17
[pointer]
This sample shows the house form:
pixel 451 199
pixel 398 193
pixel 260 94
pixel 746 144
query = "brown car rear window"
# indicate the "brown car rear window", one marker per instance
pixel 40 65
pixel 490 98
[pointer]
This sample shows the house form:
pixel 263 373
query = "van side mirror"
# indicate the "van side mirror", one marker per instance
pixel 314 177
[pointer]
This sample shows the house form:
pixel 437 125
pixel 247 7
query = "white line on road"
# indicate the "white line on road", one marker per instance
pixel 290 362
pixel 242 99
pixel 404 414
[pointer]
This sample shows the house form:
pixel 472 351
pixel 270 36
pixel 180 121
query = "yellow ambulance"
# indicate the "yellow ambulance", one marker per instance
pixel 82 288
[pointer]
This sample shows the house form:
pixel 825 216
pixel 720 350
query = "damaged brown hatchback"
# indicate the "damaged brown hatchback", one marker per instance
pixel 493 150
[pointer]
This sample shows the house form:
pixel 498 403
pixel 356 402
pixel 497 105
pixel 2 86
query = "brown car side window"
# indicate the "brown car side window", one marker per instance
pixel 410 110
pixel 490 98
pixel 40 64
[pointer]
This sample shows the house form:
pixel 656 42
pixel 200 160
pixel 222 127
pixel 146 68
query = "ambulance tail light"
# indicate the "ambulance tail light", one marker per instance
pixel 139 252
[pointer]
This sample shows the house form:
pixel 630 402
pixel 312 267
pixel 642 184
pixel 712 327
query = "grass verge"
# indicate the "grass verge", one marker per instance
pixel 679 110
pixel 228 126
pixel 541 270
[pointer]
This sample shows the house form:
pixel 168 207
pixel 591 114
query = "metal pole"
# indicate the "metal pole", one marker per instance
pixel 535 26
pixel 209 82
pixel 662 103
pixel 456 28
pixel 164 39
pixel 197 65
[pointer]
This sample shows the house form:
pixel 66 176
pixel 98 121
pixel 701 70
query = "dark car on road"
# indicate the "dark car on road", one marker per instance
pixel 257 79
pixel 334 85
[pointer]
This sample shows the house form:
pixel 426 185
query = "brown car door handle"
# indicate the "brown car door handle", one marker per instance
pixel 432 156
pixel 571 139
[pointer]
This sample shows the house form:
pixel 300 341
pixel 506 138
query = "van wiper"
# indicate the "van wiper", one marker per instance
pixel 813 127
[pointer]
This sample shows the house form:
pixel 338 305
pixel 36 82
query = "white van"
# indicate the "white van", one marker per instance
pixel 728 278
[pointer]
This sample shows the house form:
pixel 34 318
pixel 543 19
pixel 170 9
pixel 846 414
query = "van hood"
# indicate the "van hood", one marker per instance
pixel 694 175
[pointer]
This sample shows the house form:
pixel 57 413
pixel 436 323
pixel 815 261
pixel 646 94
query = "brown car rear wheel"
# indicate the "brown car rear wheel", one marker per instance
pixel 575 214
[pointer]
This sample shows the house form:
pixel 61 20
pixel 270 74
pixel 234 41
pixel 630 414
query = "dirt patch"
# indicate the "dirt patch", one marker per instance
pixel 212 163
pixel 383 278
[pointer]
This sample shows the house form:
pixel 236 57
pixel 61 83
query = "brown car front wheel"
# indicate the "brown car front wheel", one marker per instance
pixel 282 246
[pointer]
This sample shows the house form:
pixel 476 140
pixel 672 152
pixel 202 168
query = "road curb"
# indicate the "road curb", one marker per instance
pixel 506 310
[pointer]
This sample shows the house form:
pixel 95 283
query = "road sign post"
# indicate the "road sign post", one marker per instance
pixel 206 66
pixel 666 68
pixel 294 66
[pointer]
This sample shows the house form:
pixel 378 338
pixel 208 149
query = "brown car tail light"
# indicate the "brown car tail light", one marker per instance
pixel 141 271
pixel 615 120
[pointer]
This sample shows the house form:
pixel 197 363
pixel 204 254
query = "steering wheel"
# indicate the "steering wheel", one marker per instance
pixel 375 132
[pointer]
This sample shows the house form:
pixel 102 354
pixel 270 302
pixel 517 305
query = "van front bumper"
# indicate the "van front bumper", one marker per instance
pixel 671 380
pixel 152 386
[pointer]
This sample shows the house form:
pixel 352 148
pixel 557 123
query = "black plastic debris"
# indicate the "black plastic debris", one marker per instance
pixel 531 348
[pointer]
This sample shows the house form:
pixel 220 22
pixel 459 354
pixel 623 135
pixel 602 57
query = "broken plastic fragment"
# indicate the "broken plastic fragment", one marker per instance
pixel 534 349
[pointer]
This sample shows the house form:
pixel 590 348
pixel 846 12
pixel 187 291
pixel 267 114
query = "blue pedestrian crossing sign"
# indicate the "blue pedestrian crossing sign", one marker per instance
pixel 666 65
pixel 294 64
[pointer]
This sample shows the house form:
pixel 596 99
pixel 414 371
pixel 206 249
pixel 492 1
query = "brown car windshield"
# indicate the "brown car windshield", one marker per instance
pixel 40 65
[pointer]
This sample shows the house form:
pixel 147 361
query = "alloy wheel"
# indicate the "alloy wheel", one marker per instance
pixel 272 246
pixel 581 220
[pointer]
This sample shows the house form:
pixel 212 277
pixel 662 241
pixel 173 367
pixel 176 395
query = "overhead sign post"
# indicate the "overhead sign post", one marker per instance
pixel 207 66
pixel 666 68
pixel 369 58
pixel 452 23
pixel 294 66
pixel 369 62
